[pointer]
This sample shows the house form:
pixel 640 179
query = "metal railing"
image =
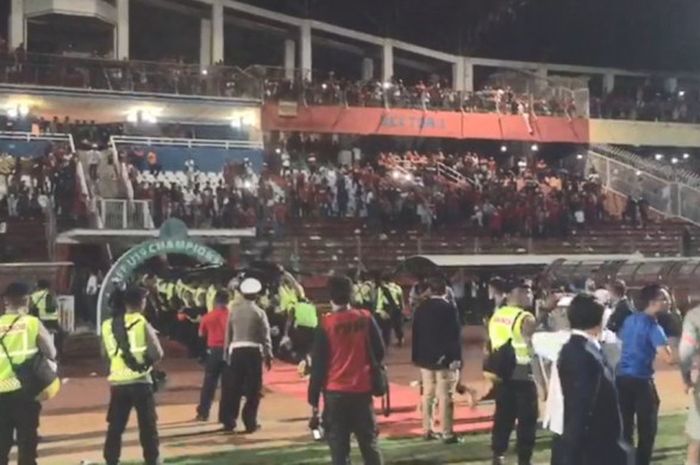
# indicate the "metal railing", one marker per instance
pixel 30 136
pixel 125 214
pixel 128 76
pixel 669 197
pixel 182 142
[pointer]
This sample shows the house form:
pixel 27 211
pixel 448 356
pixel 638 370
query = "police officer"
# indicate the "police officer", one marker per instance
pixel 248 346
pixel 388 309
pixel 516 398
pixel 21 336
pixel 132 346
pixel 43 305
pixel 301 326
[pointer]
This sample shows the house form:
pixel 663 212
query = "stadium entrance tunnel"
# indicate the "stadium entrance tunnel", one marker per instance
pixel 172 239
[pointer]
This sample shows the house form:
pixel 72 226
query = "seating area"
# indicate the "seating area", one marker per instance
pixel 320 247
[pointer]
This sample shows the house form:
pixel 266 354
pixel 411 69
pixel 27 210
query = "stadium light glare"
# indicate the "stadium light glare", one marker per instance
pixel 638 173
pixel 205 72
pixel 674 160
pixel 659 156
pixel 686 156
pixel 504 148
pixel 579 156
pixel 534 147
pixel 386 85
pixel 395 174
pixel 681 93
pixel 278 150
pixel 23 110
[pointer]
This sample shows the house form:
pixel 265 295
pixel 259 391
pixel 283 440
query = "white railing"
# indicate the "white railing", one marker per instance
pixel 125 214
pixel 451 174
pixel 189 143
pixel 669 197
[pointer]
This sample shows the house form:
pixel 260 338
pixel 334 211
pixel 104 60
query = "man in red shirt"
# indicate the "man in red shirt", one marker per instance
pixel 213 330
pixel 346 340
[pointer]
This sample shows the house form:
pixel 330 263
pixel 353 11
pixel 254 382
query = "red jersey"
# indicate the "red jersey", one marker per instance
pixel 213 327
pixel 348 357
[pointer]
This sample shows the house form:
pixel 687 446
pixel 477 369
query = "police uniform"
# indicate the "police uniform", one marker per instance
pixel 132 388
pixel 247 345
pixel 516 398
pixel 22 337
pixel 390 317
pixel 305 318
pixel 42 305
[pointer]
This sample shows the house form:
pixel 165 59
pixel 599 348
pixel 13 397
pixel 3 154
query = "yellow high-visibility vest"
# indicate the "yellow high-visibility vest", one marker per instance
pixel 21 345
pixel 39 300
pixel 119 372
pixel 503 327
pixel 383 300
pixel 211 297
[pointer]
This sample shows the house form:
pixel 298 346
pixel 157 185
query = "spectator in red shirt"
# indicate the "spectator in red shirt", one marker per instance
pixel 213 330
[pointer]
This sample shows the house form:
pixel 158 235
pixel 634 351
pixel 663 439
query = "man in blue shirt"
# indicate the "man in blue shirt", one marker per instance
pixel 642 339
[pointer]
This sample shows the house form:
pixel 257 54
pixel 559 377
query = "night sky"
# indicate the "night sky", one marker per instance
pixel 639 34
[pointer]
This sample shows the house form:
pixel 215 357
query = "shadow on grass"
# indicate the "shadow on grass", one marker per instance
pixel 475 450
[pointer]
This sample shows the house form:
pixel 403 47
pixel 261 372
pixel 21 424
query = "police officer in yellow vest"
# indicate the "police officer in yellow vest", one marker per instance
pixel 516 398
pixel 132 346
pixel 21 337
pixel 388 309
pixel 43 305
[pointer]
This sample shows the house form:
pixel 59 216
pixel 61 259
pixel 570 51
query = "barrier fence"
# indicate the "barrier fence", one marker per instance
pixel 125 214
pixel 669 197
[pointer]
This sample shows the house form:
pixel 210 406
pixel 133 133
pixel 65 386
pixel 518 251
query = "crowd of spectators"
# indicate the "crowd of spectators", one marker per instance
pixel 649 104
pixel 432 94
pixel 388 192
pixel 30 185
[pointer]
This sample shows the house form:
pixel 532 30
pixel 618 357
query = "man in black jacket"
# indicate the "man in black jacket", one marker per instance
pixel 592 424
pixel 622 308
pixel 437 351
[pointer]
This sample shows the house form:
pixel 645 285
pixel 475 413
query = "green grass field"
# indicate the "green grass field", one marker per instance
pixel 670 450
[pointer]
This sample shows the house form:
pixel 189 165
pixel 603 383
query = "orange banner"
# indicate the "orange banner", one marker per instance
pixel 416 123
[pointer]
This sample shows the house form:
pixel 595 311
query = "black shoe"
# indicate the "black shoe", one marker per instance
pixel 452 440
pixel 499 460
pixel 253 429
pixel 228 429
pixel 201 418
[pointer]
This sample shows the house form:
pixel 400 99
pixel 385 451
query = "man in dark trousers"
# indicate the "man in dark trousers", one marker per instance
pixel 592 424
pixel 21 336
pixel 213 330
pixel 341 369
pixel 642 339
pixel 516 398
pixel 248 346
pixel 622 308
pixel 132 346
pixel 437 351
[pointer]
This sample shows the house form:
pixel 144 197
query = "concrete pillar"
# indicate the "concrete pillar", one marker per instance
pixel 217 31
pixel 306 57
pixel 122 30
pixel 204 42
pixel 17 25
pixel 468 75
pixel 290 59
pixel 387 60
pixel 458 74
pixel 608 83
pixel 367 69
